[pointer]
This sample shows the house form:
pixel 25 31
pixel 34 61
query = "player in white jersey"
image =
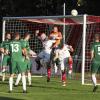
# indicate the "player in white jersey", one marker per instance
pixel 44 56
pixel 63 55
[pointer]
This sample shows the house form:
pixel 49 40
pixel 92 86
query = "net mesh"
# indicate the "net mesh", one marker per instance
pixel 73 36
pixel 73 33
pixel 91 30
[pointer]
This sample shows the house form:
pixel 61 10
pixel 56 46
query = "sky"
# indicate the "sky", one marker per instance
pixel 47 7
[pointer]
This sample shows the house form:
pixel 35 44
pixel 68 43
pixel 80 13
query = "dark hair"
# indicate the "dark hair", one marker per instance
pixel 26 34
pixel 39 34
pixel 97 36
pixel 15 35
pixel 7 33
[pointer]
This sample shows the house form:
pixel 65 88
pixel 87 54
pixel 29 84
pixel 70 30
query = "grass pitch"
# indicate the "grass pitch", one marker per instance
pixel 41 90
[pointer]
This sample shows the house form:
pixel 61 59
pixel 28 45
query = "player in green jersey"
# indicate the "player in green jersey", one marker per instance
pixel 6 58
pixel 17 61
pixel 95 58
pixel 25 42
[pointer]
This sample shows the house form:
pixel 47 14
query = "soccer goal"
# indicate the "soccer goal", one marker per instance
pixel 91 26
pixel 77 31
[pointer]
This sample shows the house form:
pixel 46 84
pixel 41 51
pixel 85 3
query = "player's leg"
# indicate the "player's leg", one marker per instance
pixel 48 71
pixel 18 79
pixel 38 64
pixel 55 68
pixel 4 66
pixel 39 57
pixel 12 70
pixel 94 69
pixel 29 65
pixel 22 69
pixel 29 78
pixel 24 82
pixel 63 73
pixel 70 61
pixel 11 83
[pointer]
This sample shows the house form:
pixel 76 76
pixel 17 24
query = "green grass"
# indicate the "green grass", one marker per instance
pixel 41 90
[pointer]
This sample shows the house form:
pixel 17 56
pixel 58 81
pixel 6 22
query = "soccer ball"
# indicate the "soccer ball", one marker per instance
pixel 74 12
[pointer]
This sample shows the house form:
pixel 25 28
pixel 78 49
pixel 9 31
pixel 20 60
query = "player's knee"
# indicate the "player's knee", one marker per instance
pixel 11 75
pixel 37 60
pixel 70 60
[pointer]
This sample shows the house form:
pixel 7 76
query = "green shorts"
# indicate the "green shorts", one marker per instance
pixel 6 60
pixel 28 64
pixel 95 66
pixel 17 66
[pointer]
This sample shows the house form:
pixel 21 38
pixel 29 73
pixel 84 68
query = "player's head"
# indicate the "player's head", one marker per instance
pixel 97 37
pixel 27 36
pixel 55 29
pixel 16 36
pixel 8 36
pixel 43 36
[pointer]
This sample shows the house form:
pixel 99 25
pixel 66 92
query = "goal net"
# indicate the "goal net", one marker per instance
pixel 77 31
pixel 91 27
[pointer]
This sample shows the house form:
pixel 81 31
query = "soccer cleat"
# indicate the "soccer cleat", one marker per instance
pixel 48 79
pixel 64 84
pixel 15 85
pixel 24 91
pixel 95 88
pixel 30 85
pixel 38 67
pixel 9 91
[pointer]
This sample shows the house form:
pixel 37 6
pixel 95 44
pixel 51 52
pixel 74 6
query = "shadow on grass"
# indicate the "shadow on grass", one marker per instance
pixel 59 88
pixel 8 98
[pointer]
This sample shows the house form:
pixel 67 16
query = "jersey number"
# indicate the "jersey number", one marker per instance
pixel 15 47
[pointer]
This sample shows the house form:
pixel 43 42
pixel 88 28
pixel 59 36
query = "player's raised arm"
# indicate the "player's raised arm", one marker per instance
pixel 71 48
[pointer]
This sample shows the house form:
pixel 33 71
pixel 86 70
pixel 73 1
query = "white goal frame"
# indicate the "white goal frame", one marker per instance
pixel 84 22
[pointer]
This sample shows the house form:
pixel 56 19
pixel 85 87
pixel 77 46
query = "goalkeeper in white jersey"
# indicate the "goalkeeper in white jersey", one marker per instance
pixel 43 58
pixel 63 54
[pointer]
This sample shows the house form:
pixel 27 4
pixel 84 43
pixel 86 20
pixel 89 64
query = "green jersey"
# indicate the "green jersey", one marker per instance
pixel 5 44
pixel 96 49
pixel 15 49
pixel 0 45
pixel 25 43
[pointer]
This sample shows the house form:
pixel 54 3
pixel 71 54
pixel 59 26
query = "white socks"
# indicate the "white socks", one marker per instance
pixel 11 83
pixel 24 82
pixel 29 78
pixel 3 77
pixel 18 79
pixel 55 68
pixel 94 79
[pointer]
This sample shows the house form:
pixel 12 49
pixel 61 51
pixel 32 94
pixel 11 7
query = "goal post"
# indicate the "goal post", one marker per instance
pixel 70 27
pixel 83 48
pixel 3 38
pixel 91 26
pixel 77 31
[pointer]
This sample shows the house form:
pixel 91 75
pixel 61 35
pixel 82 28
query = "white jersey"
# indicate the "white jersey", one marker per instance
pixel 48 44
pixel 64 52
pixel 45 54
